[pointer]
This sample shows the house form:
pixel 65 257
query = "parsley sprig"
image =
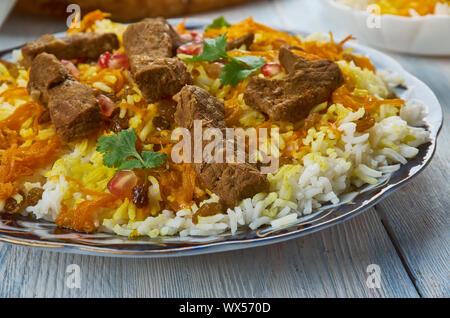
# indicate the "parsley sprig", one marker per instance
pixel 119 151
pixel 218 23
pixel 237 69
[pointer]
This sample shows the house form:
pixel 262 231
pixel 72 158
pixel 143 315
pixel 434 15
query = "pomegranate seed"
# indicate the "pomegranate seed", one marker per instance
pixel 191 48
pixel 106 104
pixel 73 70
pixel 122 183
pixel 103 60
pixel 193 36
pixel 196 36
pixel 119 60
pixel 271 69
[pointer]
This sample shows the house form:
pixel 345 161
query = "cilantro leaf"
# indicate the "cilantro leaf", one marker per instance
pixel 119 151
pixel 253 62
pixel 218 23
pixel 153 159
pixel 117 148
pixel 213 49
pixel 130 164
pixel 239 68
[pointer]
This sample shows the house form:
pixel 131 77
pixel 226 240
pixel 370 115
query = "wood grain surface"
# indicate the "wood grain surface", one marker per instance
pixel 407 234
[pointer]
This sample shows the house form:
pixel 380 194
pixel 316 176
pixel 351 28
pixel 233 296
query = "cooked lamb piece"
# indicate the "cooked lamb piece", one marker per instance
pixel 238 42
pixel 232 182
pixel 307 84
pixel 73 108
pixel 195 103
pixel 152 37
pixel 86 45
pixel 159 77
pixel 46 72
pixel 150 46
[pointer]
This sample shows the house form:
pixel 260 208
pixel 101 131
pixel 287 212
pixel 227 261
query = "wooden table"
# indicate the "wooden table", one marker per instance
pixel 407 234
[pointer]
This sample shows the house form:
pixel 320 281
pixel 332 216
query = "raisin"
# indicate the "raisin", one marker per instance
pixel 140 195
pixel 11 206
pixel 365 122
pixel 157 147
pixel 160 123
pixel 33 196
pixel 114 123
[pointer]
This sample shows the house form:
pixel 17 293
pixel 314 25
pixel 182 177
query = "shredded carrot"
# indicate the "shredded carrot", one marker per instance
pixel 272 37
pixel 181 27
pixel 330 50
pixel 7 190
pixel 180 183
pixel 22 114
pixel 362 62
pixel 343 96
pixel 88 21
pixel 17 162
pixel 82 217
pixel 14 92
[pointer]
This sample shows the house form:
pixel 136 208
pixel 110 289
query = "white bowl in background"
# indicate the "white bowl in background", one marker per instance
pixel 425 35
pixel 5 8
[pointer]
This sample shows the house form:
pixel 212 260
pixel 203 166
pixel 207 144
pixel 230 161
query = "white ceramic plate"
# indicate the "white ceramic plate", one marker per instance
pixel 43 234
pixel 427 35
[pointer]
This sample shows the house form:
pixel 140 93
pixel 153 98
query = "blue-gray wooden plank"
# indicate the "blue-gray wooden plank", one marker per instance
pixel 331 263
pixel 417 216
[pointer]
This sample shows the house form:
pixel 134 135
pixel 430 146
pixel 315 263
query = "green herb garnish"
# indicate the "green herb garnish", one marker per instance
pixel 218 23
pixel 213 49
pixel 236 70
pixel 240 68
pixel 119 151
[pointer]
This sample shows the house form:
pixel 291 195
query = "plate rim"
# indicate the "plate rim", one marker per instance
pixel 228 245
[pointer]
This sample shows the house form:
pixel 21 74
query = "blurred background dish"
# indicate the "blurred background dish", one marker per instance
pixel 5 8
pixel 126 10
pixel 411 30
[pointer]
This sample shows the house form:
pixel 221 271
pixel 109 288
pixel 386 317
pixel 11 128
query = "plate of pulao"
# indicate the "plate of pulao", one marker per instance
pixel 91 120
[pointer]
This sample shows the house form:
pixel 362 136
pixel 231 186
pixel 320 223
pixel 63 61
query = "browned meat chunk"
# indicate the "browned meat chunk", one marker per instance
pixel 232 182
pixel 152 37
pixel 307 84
pixel 159 77
pixel 237 43
pixel 150 46
pixel 46 72
pixel 73 108
pixel 87 45
pixel 194 103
